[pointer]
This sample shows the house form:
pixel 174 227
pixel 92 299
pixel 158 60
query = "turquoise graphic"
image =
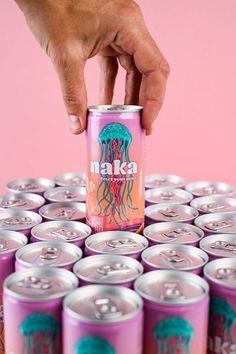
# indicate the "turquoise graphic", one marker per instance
pixel 173 336
pixel 41 334
pixel 93 345
pixel 222 319
pixel 114 197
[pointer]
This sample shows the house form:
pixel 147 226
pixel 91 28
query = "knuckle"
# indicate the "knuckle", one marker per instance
pixel 164 68
pixel 72 100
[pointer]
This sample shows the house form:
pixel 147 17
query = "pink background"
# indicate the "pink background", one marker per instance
pixel 194 135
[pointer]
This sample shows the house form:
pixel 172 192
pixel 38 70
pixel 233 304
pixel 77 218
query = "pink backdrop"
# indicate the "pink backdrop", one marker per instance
pixel 194 135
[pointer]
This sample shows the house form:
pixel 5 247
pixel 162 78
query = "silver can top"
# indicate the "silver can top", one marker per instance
pixel 222 271
pixel 66 194
pixel 170 212
pixel 214 204
pixel 174 256
pixel 40 284
pixel 48 254
pixel 67 231
pixel 115 108
pixel 164 181
pixel 63 211
pixel 220 245
pixel 30 185
pixel 206 188
pixel 108 269
pixel 21 201
pixel 10 241
pixel 166 195
pixel 18 220
pixel 171 287
pixel 103 304
pixel 217 223
pixel 173 232
pixel 73 179
pixel 116 242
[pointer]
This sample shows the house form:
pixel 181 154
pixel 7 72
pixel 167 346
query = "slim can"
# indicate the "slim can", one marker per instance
pixel 214 204
pixel 73 232
pixel 108 270
pixel 73 179
pixel 167 195
pixel 219 246
pixel 221 276
pixel 164 181
pixel 66 194
pixel 217 223
pixel 115 185
pixel 206 188
pixel 19 220
pixel 176 308
pixel 48 254
pixel 64 211
pixel 21 201
pixel 101 319
pixel 30 185
pixel 10 241
pixel 33 309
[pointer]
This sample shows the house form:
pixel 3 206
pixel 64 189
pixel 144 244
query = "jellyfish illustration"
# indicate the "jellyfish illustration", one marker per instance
pixel 114 193
pixel 41 334
pixel 93 345
pixel 222 319
pixel 173 336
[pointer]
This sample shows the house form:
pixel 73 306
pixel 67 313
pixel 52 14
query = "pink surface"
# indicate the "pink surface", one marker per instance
pixel 195 132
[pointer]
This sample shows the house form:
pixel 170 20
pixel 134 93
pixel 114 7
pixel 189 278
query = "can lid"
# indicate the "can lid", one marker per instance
pixel 50 254
pixel 103 304
pixel 66 194
pixel 18 219
pixel 33 185
pixel 40 284
pixel 222 271
pixel 204 188
pixel 164 181
pixel 10 241
pixel 108 269
pixel 217 223
pixel 167 195
pixel 171 287
pixel 69 231
pixel 71 179
pixel 170 212
pixel 116 242
pixel 63 211
pixel 174 256
pixel 214 204
pixel 21 201
pixel 115 108
pixel 220 245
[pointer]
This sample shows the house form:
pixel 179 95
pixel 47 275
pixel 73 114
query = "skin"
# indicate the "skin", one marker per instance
pixel 72 31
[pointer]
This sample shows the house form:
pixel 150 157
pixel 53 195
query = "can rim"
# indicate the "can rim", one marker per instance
pixel 47 183
pixel 177 207
pixel 21 236
pixel 211 264
pixel 181 183
pixel 37 198
pixel 63 175
pixel 115 108
pixel 229 190
pixel 206 242
pixel 214 217
pixel 78 206
pixel 37 219
pixel 49 196
pixel 177 191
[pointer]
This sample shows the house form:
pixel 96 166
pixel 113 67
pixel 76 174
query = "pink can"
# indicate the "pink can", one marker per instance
pixel 217 223
pixel 73 232
pixel 21 201
pixel 66 194
pixel 73 179
pixel 219 246
pixel 176 306
pixel 167 195
pixel 19 220
pixel 48 254
pixel 30 185
pixel 116 242
pixel 175 257
pixel 73 211
pixel 164 181
pixel 206 188
pixel 214 204
pixel 33 309
pixel 100 319
pixel 108 270
pixel 221 276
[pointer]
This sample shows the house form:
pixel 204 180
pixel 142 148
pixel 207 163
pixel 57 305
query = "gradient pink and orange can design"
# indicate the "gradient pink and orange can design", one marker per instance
pixel 115 185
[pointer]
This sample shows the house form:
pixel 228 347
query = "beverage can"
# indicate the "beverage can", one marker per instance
pixel 64 211
pixel 74 179
pixel 219 246
pixel 166 195
pixel 164 181
pixel 30 185
pixel 217 223
pixel 66 194
pixel 19 220
pixel 206 188
pixel 214 204
pixel 21 201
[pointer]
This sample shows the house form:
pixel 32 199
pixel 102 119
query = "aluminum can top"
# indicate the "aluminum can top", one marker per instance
pixel 164 181
pixel 214 204
pixel 17 220
pixel 21 201
pixel 63 211
pixel 220 245
pixel 30 185
pixel 10 241
pixel 222 271
pixel 74 179
pixel 217 223
pixel 204 188
pixel 170 212
pixel 114 108
pixel 66 194
pixel 166 195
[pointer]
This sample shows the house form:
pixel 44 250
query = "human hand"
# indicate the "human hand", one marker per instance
pixel 72 31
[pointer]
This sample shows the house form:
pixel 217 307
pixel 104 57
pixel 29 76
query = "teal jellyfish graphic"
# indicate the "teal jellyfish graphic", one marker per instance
pixel 114 194
pixel 222 319
pixel 41 334
pixel 173 336
pixel 93 345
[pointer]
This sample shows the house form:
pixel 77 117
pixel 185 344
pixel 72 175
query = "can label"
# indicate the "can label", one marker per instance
pixel 115 190
pixel 2 350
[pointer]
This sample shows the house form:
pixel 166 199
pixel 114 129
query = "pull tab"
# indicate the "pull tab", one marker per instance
pixel 36 283
pixel 160 182
pixel 167 196
pixel 169 213
pixel 13 203
pixel 209 190
pixel 105 308
pixel 110 269
pixel 64 234
pixel 212 207
pixel 77 181
pixel 226 273
pixel 172 256
pixel 218 225
pixel 66 213
pixel 3 246
pixel 177 233
pixel 26 186
pixel 171 291
pixel 25 220
pixel 69 195
pixel 49 253
pixel 122 243
pixel 223 245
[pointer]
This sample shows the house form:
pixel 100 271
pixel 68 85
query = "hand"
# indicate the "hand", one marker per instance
pixel 72 31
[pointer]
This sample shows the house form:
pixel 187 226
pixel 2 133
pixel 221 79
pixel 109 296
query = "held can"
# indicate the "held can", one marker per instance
pixel 219 246
pixel 176 308
pixel 33 309
pixel 21 201
pixel 221 276
pixel 10 241
pixel 101 319
pixel 115 185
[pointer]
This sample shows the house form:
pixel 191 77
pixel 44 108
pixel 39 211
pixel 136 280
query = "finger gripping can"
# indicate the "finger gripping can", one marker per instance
pixel 115 186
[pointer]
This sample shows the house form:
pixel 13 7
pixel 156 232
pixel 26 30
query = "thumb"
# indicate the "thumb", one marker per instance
pixel 70 70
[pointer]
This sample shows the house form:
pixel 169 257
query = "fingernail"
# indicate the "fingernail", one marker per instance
pixel 75 123
pixel 148 131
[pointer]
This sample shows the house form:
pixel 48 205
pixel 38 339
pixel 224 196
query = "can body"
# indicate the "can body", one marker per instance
pixel 115 185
